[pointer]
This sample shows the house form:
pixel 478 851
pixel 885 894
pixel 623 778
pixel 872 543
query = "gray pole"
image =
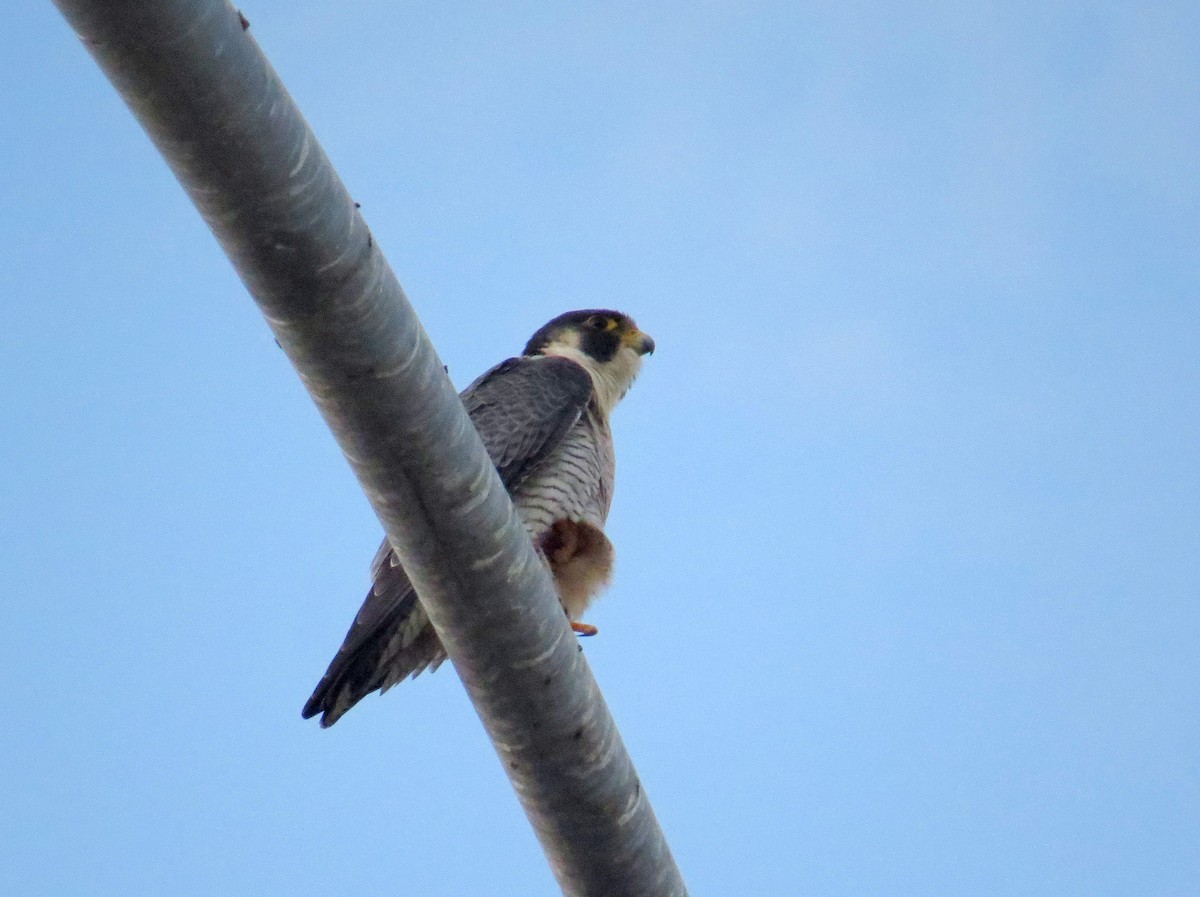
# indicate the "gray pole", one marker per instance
pixel 215 108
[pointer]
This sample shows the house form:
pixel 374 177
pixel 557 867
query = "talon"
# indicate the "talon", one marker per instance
pixel 584 629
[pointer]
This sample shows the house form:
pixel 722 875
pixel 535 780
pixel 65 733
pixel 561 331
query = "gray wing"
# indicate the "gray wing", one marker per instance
pixel 522 408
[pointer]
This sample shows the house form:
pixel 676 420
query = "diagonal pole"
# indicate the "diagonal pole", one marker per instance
pixel 216 110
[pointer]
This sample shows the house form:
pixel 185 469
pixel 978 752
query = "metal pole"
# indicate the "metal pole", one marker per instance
pixel 210 101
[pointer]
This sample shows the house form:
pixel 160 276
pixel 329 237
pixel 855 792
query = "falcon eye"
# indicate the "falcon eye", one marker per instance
pixel 599 322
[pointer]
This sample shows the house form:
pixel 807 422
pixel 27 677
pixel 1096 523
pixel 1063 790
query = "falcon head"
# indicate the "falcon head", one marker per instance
pixel 607 344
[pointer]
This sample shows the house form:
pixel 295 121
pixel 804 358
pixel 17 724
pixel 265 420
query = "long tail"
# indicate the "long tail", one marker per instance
pixel 389 640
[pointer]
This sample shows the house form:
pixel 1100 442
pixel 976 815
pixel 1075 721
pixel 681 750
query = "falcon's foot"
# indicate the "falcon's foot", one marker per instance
pixel 584 629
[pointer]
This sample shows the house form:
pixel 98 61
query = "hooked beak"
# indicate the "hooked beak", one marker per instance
pixel 642 343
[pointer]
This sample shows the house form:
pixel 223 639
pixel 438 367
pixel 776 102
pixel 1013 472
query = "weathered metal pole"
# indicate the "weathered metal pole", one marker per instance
pixel 211 102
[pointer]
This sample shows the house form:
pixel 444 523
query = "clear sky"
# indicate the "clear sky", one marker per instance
pixel 908 503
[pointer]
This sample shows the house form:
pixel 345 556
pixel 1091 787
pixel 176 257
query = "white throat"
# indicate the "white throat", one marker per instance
pixel 611 379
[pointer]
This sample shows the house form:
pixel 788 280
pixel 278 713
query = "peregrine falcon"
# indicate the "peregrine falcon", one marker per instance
pixel 543 418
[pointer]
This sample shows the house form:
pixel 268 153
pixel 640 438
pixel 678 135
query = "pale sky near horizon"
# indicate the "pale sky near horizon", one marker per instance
pixel 908 504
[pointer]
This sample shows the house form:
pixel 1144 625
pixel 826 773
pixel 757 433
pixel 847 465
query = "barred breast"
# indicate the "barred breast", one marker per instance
pixel 576 481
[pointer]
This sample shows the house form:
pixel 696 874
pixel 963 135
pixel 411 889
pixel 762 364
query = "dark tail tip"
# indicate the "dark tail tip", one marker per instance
pixel 328 703
pixel 318 703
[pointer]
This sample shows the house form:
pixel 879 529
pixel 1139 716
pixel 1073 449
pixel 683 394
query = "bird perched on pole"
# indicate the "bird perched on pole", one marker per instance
pixel 543 418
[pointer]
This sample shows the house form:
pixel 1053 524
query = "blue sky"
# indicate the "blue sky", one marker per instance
pixel 908 589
